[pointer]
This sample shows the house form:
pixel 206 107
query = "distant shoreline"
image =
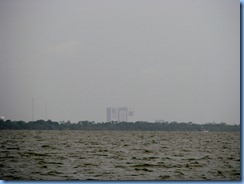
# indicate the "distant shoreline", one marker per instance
pixel 118 126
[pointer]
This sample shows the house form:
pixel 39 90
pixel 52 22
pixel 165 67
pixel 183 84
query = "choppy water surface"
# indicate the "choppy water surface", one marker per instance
pixel 119 155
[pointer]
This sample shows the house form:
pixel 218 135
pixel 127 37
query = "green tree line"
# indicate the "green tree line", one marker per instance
pixel 125 126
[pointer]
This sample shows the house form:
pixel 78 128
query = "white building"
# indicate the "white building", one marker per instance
pixel 2 118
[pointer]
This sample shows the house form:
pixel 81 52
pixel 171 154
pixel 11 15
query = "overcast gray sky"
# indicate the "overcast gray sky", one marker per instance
pixel 177 60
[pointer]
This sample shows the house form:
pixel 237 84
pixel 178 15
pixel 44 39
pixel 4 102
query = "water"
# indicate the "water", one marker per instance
pixel 119 155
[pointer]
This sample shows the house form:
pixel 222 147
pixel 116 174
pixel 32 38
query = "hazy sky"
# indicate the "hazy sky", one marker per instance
pixel 177 60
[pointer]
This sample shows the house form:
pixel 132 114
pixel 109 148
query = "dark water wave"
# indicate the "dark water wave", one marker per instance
pixel 109 155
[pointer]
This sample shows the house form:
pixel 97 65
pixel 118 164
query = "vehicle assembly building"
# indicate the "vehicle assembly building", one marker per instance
pixel 120 114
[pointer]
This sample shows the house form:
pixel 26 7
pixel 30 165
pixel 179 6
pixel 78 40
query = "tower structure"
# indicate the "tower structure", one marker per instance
pixel 112 114
pixel 32 110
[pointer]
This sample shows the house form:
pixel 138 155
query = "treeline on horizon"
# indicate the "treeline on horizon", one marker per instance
pixel 124 126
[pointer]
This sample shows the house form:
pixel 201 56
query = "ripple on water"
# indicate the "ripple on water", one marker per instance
pixel 104 155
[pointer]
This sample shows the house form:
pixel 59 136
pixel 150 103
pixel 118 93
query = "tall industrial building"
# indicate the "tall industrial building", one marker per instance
pixel 112 114
pixel 120 114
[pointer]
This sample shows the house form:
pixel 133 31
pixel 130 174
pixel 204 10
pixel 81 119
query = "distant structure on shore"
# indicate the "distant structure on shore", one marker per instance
pixel 2 118
pixel 120 114
pixel 159 121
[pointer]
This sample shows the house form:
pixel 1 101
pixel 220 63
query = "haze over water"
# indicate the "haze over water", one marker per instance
pixel 173 60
